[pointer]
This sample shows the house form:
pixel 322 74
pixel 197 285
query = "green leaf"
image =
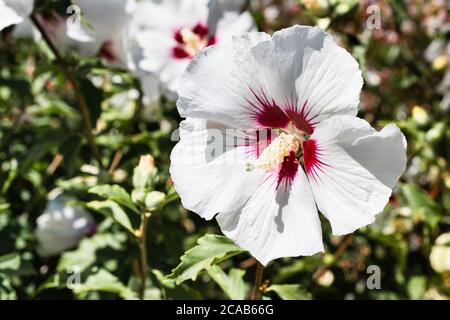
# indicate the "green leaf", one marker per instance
pixel 100 249
pixel 421 204
pixel 7 291
pixel 10 262
pixel 210 249
pixel 232 284
pixel 111 209
pixel 14 264
pixel 13 170
pixel 115 193
pixel 89 251
pixel 290 291
pixel 173 291
pixel 105 281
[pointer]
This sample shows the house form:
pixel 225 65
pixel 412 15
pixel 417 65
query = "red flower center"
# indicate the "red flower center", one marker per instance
pixel 190 41
pixel 295 121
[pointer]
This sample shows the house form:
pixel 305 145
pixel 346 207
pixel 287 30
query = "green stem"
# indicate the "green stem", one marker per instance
pixel 143 253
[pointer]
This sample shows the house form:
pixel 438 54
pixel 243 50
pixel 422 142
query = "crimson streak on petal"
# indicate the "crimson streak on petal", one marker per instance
pixel 311 157
pixel 266 112
pixel 288 171
pixel 201 30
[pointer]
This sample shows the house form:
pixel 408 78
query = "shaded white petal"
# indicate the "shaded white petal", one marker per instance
pixel 276 223
pixel 219 8
pixel 157 50
pixel 228 70
pixel 209 177
pixel 107 25
pixel 26 30
pixel 301 69
pixel 169 15
pixel 353 169
pixel 170 75
pixel 283 58
pixel 14 11
pixel 226 5
pixel 79 33
pixel 193 11
pixel 234 24
pixel 106 21
pixel 150 86
pixel 330 83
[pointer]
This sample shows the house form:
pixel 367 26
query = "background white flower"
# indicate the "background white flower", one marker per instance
pixel 172 32
pixel 305 88
pixel 14 12
pixel 105 29
pixel 62 226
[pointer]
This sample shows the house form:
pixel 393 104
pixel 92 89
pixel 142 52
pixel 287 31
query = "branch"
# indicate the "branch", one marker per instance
pixel 256 293
pixel 71 76
pixel 345 242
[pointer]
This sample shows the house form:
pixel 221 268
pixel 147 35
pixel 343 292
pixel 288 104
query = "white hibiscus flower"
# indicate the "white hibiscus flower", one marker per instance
pixel 265 190
pixel 62 226
pixel 172 32
pixel 14 12
pixel 106 32
pixel 110 32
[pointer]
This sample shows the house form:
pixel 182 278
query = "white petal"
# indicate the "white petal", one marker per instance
pixel 193 11
pixel 169 15
pixel 219 8
pixel 234 24
pixel 276 223
pixel 79 33
pixel 14 11
pixel 150 15
pixel 226 5
pixel 150 86
pixel 209 178
pixel 282 59
pixel 26 30
pixel 105 22
pixel 170 75
pixel 157 50
pixel 216 83
pixel 330 83
pixel 355 169
pixel 301 69
pixel 312 72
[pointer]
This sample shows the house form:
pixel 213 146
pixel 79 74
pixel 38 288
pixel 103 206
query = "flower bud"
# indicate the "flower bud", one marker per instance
pixel 328 259
pixel 326 279
pixel 138 196
pixel 145 174
pixel 154 199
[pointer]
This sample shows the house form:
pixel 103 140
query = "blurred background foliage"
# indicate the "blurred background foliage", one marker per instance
pixel 406 68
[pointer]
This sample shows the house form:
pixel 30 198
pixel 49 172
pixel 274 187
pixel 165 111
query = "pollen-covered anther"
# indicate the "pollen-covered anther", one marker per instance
pixel 273 155
pixel 193 43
